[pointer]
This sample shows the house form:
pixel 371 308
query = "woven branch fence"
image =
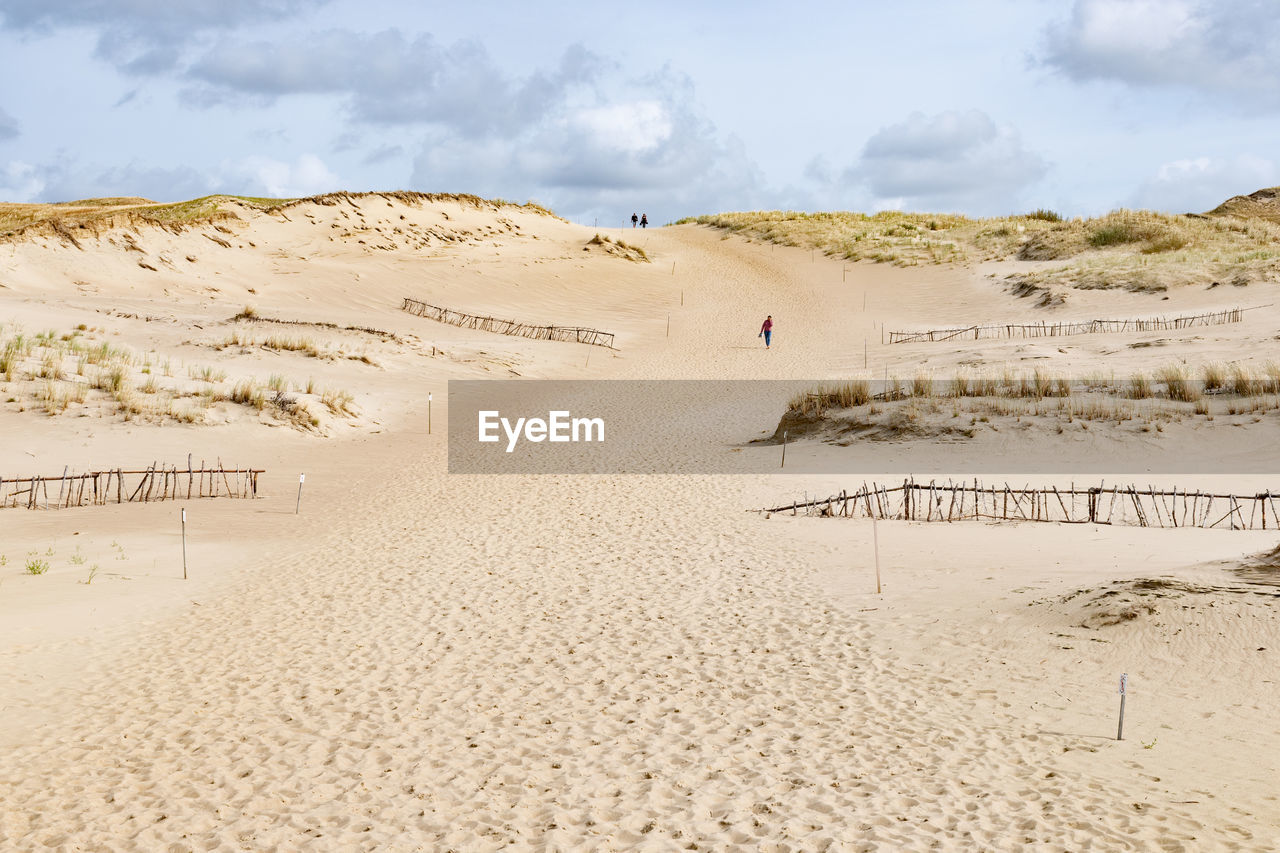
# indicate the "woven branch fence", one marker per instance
pixel 572 334
pixel 156 483
pixel 1116 505
pixel 1086 327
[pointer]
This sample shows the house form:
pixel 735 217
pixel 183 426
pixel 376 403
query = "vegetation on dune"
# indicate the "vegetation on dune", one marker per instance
pixel 96 215
pixel 1135 250
pixel 897 409
pixel 250 314
pixel 66 373
pixel 1170 382
pixel 628 251
pixel 1263 204
pixel 417 199
pixel 102 202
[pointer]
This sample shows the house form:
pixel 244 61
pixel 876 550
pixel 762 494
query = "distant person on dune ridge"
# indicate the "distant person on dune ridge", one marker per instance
pixel 644 220
pixel 766 330
pixel 634 220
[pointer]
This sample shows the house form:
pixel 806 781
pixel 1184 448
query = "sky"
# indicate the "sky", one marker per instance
pixel 673 109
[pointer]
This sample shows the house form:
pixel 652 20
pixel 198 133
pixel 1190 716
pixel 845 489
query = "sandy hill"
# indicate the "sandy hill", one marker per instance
pixel 396 657
pixel 1039 254
pixel 213 310
pixel 1263 204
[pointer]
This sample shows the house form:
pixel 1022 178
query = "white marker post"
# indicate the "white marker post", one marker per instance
pixel 784 449
pixel 302 478
pixel 875 538
pixel 184 543
pixel 1124 684
pixel 428 413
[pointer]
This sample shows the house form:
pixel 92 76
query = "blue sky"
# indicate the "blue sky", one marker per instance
pixel 668 108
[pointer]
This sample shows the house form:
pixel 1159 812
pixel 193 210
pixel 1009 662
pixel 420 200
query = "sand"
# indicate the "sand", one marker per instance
pixel 425 661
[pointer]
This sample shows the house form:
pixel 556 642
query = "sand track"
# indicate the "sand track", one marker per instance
pixel 399 688
pixel 422 661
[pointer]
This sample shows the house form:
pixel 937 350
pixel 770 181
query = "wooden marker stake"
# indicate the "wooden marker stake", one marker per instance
pixel 302 478
pixel 668 325
pixel 784 449
pixel 1124 684
pixel 875 537
pixel 184 543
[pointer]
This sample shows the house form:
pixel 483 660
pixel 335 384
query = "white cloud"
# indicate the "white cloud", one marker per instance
pixel 650 150
pixel 8 126
pixel 960 161
pixel 144 36
pixel 629 127
pixel 62 179
pixel 1225 47
pixel 1202 183
pixel 20 182
pixel 388 79
pixel 307 175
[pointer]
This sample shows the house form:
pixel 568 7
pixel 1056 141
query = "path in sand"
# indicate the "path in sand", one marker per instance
pixel 589 662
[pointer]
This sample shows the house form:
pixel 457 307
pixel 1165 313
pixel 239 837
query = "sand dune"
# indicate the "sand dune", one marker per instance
pixel 422 661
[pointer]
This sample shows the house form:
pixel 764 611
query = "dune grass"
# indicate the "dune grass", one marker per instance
pixel 629 251
pixel 73 219
pixel 61 374
pixel 96 214
pixel 1237 386
pixel 925 409
pixel 1131 249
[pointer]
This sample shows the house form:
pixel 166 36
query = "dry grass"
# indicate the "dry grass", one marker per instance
pixel 303 344
pixel 1245 387
pixel 1177 385
pixel 74 220
pixel 70 220
pixel 287 344
pixel 114 380
pixel 944 418
pixel 1135 250
pixel 56 396
pixel 251 315
pixel 338 402
pixel 843 395
pixel 205 373
pixel 619 248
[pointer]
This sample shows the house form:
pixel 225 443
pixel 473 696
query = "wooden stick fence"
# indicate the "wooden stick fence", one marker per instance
pixel 1115 505
pixel 1087 327
pixel 571 334
pixel 156 483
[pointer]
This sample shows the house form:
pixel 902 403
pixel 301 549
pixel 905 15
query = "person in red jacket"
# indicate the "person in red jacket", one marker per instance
pixel 766 330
